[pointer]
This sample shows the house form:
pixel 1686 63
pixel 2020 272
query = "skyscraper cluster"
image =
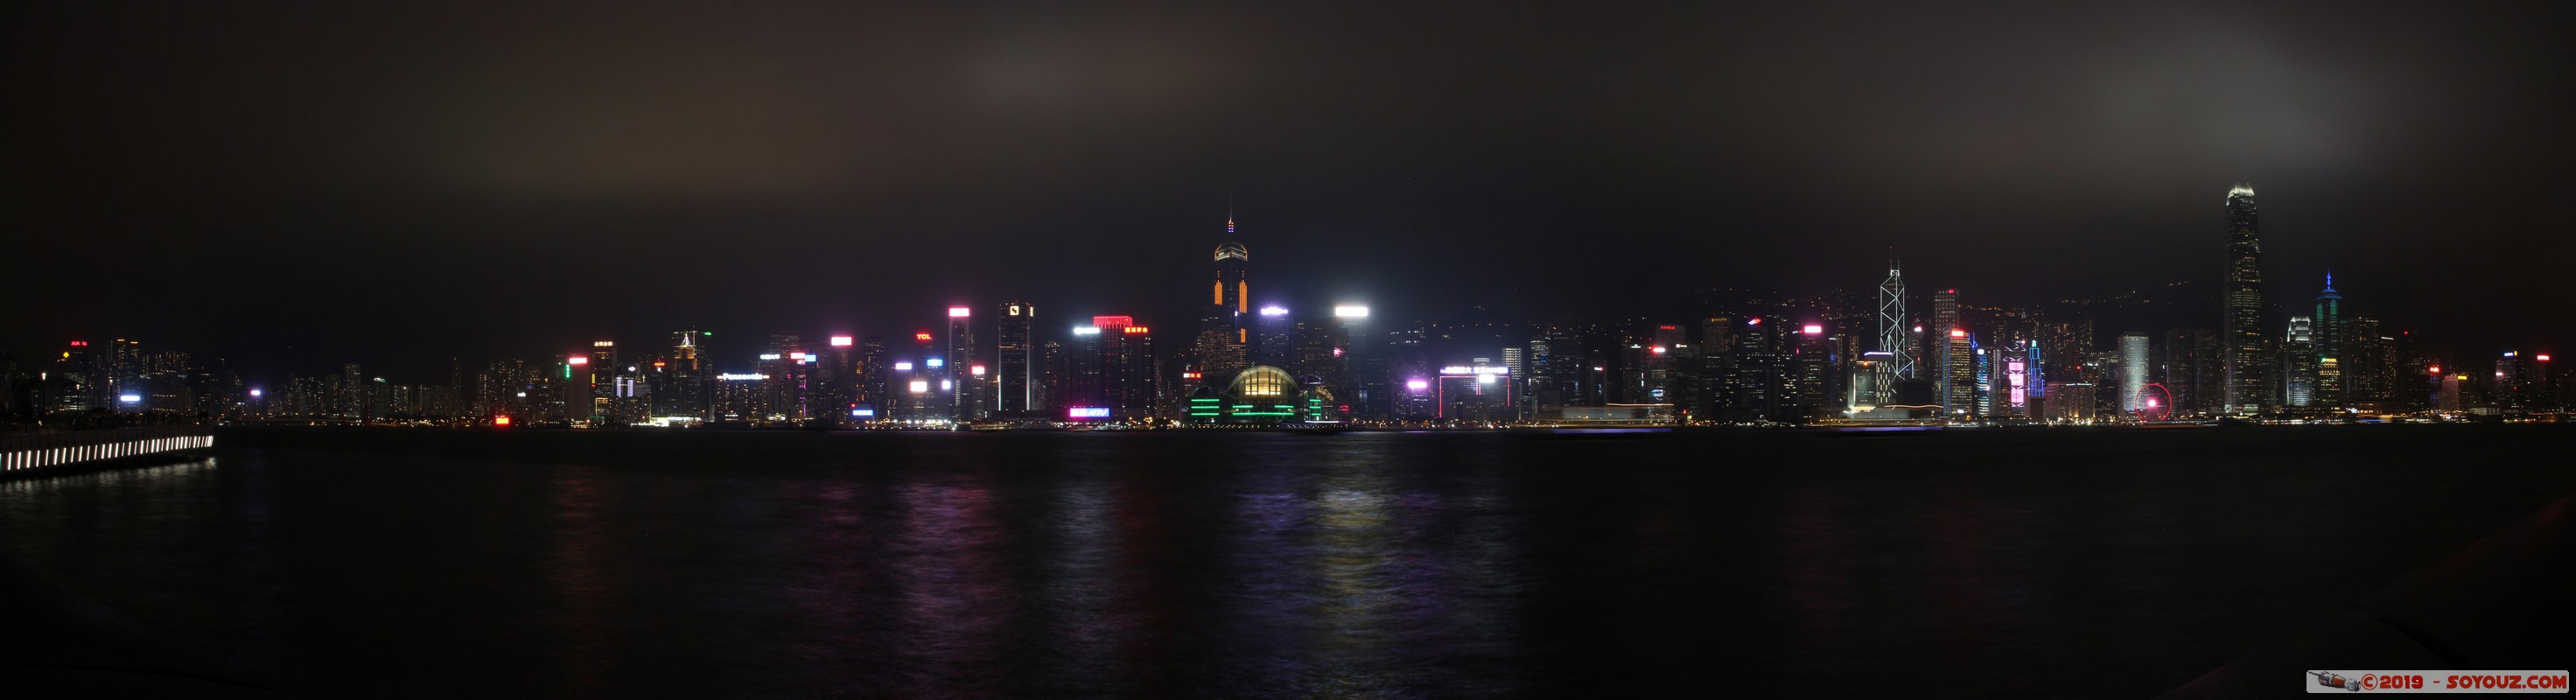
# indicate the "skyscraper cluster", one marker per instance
pixel 1749 358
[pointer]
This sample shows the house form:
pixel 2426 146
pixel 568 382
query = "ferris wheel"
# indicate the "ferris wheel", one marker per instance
pixel 2154 403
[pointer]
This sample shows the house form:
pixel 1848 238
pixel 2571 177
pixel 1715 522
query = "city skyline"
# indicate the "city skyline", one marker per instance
pixel 1850 357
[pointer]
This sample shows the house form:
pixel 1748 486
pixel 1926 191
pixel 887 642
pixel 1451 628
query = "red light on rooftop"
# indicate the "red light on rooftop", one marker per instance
pixel 1669 328
pixel 80 343
pixel 2437 369
pixel 1113 321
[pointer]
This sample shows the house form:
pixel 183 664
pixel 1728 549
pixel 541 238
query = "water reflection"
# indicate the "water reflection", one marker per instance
pixel 947 561
pixel 1105 565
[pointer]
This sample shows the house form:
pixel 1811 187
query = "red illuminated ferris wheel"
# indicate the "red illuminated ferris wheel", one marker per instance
pixel 2154 403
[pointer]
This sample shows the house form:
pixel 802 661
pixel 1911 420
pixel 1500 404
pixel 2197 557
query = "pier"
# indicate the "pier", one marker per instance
pixel 21 452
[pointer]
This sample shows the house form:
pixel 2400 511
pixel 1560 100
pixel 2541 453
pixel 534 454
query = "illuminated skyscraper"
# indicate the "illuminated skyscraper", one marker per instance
pixel 1272 334
pixel 1014 359
pixel 1892 324
pixel 2133 370
pixel 602 408
pixel 2240 330
pixel 1955 375
pixel 1127 369
pixel 2299 364
pixel 957 349
pixel 2372 372
pixel 1222 333
pixel 2330 360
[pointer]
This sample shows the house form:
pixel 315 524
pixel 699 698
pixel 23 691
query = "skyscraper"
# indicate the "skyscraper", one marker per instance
pixel 2370 368
pixel 1222 333
pixel 2299 364
pixel 2329 360
pixel 1273 332
pixel 965 401
pixel 2133 370
pixel 2248 383
pixel 1953 375
pixel 1892 324
pixel 1016 362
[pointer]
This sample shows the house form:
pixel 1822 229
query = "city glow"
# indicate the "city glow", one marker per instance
pixel 604 344
pixel 923 336
pixel 1350 312
pixel 2542 358
pixel 500 421
pixel 1087 412
pixel 254 393
pixel 920 386
pixel 1113 321
pixel 769 356
pixel 1417 384
pixel 959 312
pixel 577 360
pixel 1086 330
pixel 903 366
pixel 977 370
pixel 1752 322
pixel 863 413
pixel 934 362
pixel 796 356
pixel 1813 329
pixel 1956 333
pixel 1659 350
pixel 731 377
pixel 1137 330
pixel 1273 311
pixel 130 398
pixel 1462 370
pixel 944 385
pixel 840 341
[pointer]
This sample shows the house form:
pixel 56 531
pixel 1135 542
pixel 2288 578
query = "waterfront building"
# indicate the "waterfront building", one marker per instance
pixel 1816 366
pixel 2299 364
pixel 1479 392
pixel 2134 369
pixel 1015 360
pixel 957 358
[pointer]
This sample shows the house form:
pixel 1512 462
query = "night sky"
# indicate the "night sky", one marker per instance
pixel 305 184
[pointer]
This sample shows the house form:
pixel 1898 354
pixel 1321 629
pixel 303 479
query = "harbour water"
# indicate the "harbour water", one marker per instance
pixel 426 563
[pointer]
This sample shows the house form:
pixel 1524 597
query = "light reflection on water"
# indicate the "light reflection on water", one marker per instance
pixel 1364 565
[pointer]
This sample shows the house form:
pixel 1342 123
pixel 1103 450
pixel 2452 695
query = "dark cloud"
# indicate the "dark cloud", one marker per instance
pixel 392 183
